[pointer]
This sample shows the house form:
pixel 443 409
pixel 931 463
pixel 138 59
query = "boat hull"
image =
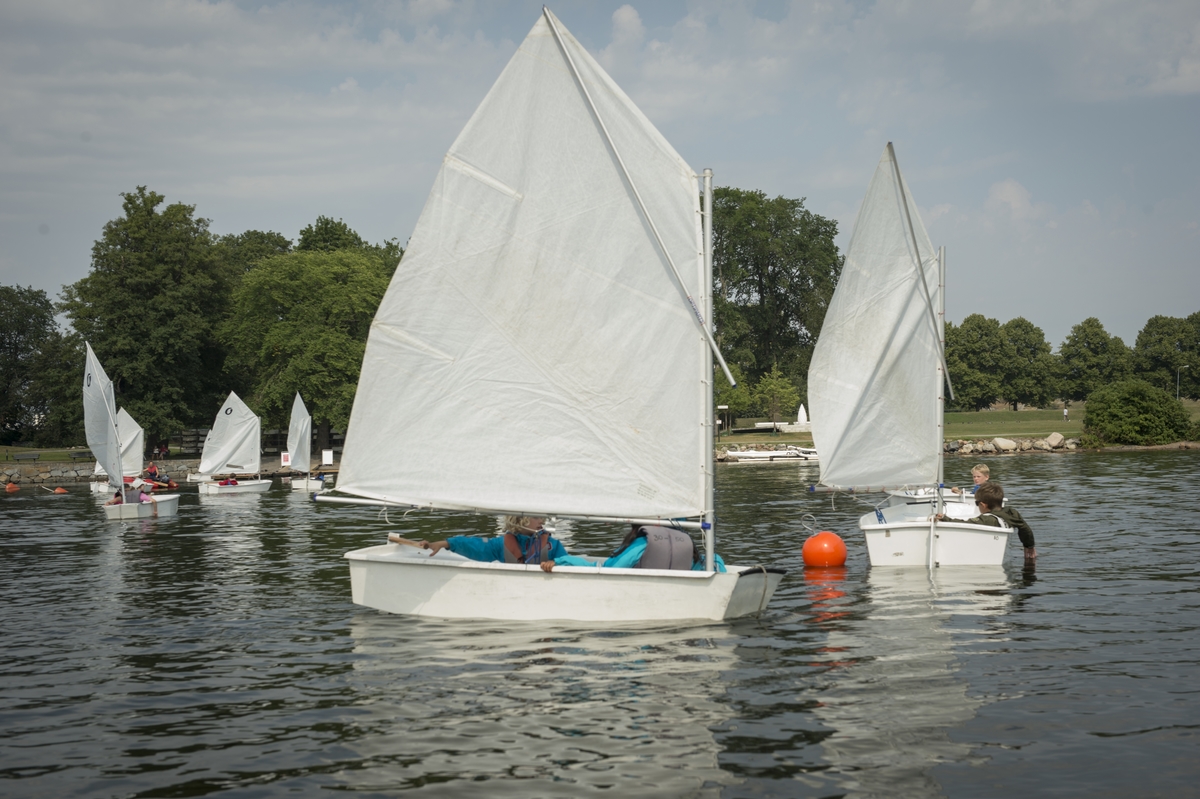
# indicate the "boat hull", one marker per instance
pixel 405 580
pixel 793 455
pixel 310 484
pixel 901 540
pixel 166 504
pixel 243 487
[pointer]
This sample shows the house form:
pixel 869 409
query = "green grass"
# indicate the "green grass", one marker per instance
pixel 1013 424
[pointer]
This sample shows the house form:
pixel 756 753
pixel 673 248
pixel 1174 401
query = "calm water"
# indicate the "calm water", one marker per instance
pixel 219 653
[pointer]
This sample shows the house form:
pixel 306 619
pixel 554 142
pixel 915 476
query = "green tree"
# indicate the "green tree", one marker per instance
pixel 300 323
pixel 1030 378
pixel 775 267
pixel 327 235
pixel 977 355
pixel 1135 412
pixel 777 395
pixel 26 322
pixel 739 398
pixel 242 251
pixel 150 307
pixel 1090 358
pixel 55 391
pixel 1168 349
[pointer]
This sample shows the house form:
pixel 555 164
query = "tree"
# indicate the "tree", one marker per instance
pixel 739 398
pixel 26 321
pixel 775 267
pixel 1135 412
pixel 55 392
pixel 243 250
pixel 326 235
pixel 150 307
pixel 977 355
pixel 1166 347
pixel 776 395
pixel 1030 378
pixel 300 323
pixel 1090 359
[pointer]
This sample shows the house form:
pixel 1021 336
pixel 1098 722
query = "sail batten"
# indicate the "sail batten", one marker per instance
pixel 873 388
pixel 532 351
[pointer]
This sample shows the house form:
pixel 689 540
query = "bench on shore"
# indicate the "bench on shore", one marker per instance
pixel 26 456
pixel 79 455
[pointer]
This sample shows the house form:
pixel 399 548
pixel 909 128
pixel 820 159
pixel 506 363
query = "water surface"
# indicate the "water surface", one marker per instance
pixel 219 653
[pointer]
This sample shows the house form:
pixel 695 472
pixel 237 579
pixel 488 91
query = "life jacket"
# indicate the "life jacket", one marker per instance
pixel 666 548
pixel 539 548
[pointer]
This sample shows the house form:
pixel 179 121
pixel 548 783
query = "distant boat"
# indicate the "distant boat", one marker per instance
pixel 133 444
pixel 100 421
pixel 792 454
pixel 299 444
pixel 545 349
pixel 233 447
pixel 876 385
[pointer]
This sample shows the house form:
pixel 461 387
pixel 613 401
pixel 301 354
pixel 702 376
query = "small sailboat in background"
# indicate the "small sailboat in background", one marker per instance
pixel 299 444
pixel 541 349
pixel 233 447
pixel 876 384
pixel 133 444
pixel 104 439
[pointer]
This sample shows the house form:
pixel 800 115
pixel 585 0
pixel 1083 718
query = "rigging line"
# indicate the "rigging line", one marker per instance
pixel 917 259
pixel 637 195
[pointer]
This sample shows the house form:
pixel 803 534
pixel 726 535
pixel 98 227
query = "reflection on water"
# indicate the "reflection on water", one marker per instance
pixel 218 652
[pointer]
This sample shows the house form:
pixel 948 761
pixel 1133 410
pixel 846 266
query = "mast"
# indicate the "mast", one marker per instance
pixel 710 534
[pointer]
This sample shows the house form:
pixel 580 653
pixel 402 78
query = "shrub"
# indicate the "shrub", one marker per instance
pixel 1135 412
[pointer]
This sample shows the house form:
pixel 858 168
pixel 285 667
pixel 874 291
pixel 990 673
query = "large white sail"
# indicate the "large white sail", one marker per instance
pixel 874 380
pixel 233 444
pixel 535 350
pixel 100 417
pixel 299 440
pixel 133 445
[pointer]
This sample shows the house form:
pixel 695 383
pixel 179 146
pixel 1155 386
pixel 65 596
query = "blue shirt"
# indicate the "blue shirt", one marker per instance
pixel 629 559
pixel 492 549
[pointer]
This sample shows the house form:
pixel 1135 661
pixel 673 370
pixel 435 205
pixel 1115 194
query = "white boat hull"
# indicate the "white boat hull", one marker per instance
pixel 242 487
pixel 310 484
pixel 793 455
pixel 166 505
pixel 902 539
pixel 402 579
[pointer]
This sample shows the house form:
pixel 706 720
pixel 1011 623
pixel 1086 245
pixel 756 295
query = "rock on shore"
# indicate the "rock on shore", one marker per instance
pixel 1054 442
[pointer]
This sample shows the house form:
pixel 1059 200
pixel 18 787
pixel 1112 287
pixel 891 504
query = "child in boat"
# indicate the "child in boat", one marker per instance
pixel 990 500
pixel 980 474
pixel 144 496
pixel 118 499
pixel 646 548
pixel 524 541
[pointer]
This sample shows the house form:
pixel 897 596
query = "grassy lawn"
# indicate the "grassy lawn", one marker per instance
pixel 1013 424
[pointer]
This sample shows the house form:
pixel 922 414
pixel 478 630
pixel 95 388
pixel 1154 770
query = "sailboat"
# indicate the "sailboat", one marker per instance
pixel 104 439
pixel 545 349
pixel 876 384
pixel 299 444
pixel 233 446
pixel 133 444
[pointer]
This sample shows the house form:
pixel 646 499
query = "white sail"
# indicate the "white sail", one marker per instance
pixel 233 444
pixel 535 350
pixel 874 380
pixel 100 417
pixel 133 445
pixel 299 440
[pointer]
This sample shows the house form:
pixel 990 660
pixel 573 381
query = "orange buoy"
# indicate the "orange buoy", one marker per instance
pixel 11 487
pixel 60 490
pixel 824 549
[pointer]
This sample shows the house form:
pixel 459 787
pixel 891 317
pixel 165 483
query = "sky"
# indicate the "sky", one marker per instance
pixel 1051 146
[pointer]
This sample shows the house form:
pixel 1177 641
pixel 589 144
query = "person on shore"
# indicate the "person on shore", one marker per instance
pixel 980 474
pixel 525 540
pixel 990 501
pixel 647 548
pixel 1066 416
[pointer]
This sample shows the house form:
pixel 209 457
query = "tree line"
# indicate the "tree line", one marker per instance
pixel 180 316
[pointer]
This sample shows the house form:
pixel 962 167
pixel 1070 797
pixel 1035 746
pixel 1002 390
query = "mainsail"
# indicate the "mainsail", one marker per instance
pixel 100 417
pixel 133 445
pixel 233 444
pixel 537 349
pixel 299 440
pixel 875 380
